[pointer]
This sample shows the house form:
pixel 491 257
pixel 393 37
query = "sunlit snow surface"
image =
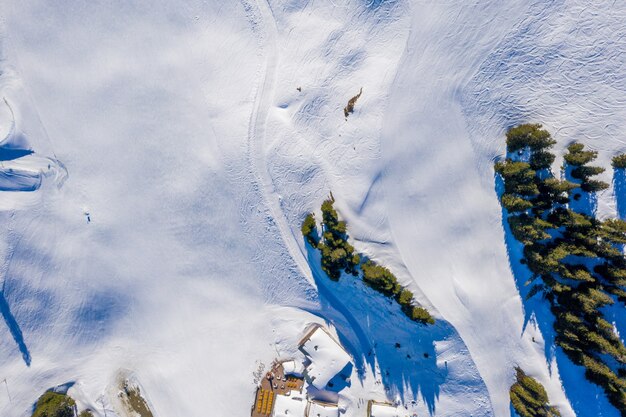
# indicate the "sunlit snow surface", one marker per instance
pixel 166 158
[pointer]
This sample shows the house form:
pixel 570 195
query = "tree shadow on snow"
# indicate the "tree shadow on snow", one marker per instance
pixel 14 329
pixel 34 299
pixel 619 186
pixel 536 310
pixel 377 334
pixel 9 154
pixel 615 313
pixel 581 201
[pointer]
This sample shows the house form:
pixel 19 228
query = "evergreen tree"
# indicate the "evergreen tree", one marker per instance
pixel 518 177
pixel 309 230
pixel 528 135
pixel 405 297
pixel 579 158
pixel 515 204
pixel 541 160
pixel 380 278
pixel 529 397
pixel 421 315
pixel 619 161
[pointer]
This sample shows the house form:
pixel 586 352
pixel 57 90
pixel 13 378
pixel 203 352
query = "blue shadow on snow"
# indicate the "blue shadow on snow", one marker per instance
pixel 14 328
pixel 619 186
pixel 376 332
pixel 9 154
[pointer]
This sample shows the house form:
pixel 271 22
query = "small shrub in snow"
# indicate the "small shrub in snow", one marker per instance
pixel 53 404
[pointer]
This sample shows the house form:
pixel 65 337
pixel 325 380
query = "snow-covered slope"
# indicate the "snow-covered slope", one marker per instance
pixel 178 145
pixel 147 105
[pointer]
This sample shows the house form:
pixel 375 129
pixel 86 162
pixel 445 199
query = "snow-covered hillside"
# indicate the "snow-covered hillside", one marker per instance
pixel 177 146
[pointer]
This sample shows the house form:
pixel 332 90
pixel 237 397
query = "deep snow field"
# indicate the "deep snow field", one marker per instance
pixel 158 159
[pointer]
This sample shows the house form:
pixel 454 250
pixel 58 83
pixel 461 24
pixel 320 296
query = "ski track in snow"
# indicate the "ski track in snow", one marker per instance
pixel 22 168
pixel 258 150
pixel 257 131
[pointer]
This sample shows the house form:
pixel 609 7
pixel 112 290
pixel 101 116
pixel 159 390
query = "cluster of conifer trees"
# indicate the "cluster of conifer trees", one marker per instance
pixel 576 260
pixel 529 397
pixel 338 256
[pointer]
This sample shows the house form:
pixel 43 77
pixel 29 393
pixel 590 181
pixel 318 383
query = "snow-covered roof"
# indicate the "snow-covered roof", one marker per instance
pixel 327 357
pixel 293 368
pixel 322 410
pixel 289 406
pixel 383 410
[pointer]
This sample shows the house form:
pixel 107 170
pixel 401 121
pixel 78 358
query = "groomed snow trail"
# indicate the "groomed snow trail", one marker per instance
pixel 263 102
pixel 26 156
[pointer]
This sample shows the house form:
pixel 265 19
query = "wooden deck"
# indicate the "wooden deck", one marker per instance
pixel 274 383
pixel 263 405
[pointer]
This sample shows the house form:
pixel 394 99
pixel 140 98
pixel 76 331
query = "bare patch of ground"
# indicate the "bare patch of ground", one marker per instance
pixel 350 107
pixel 130 400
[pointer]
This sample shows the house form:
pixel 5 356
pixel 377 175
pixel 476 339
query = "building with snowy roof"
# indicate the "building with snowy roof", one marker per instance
pixel 378 409
pixel 292 367
pixel 325 356
pixel 322 409
pixel 290 406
